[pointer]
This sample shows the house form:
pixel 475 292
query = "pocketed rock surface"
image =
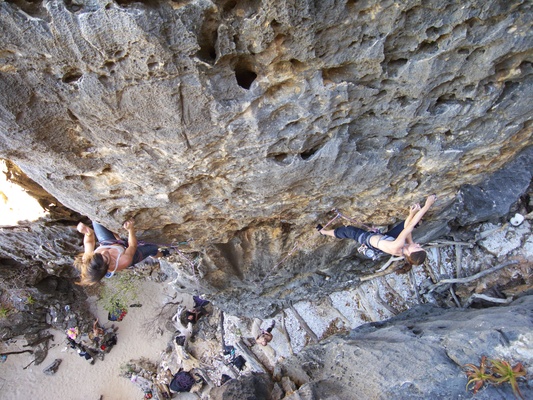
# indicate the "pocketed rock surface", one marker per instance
pixel 242 124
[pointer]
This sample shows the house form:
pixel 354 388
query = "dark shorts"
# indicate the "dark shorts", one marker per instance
pixel 362 236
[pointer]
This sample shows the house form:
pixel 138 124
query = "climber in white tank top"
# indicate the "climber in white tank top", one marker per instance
pixel 114 254
pixel 399 244
pixel 111 254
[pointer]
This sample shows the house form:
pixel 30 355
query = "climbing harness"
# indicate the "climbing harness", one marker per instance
pixel 369 253
pixel 363 249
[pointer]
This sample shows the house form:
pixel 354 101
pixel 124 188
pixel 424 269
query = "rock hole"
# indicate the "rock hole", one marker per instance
pixel 508 88
pixel 72 76
pixel 281 158
pixel 229 5
pixel 306 155
pixel 110 65
pixel 446 103
pixel 245 76
pixel 432 32
pixel 207 38
pixel 393 66
pixel 147 3
pixel 72 116
pixel 441 101
pixel 207 52
pixel 366 11
pixel 475 54
pixel 339 74
pixel 472 22
pixel 447 137
pixel 34 8
pixel 275 24
pixel 526 65
pixel 428 47
pixel 296 63
pixel 72 7
pixel 463 50
pixel 403 100
pixel 104 80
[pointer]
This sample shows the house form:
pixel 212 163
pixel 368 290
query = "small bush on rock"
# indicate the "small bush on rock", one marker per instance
pixel 495 372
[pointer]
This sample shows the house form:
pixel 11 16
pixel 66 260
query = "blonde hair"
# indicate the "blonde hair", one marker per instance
pixel 92 268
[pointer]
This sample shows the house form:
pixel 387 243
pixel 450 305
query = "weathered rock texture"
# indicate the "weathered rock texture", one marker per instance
pixel 418 355
pixel 242 123
pixel 37 289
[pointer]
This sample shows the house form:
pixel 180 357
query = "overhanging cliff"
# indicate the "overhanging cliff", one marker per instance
pixel 242 124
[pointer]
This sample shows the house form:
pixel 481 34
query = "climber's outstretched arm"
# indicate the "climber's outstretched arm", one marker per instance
pixel 417 213
pixel 412 211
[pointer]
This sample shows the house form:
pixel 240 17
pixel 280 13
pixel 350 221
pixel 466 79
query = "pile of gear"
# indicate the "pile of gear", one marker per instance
pixel 99 341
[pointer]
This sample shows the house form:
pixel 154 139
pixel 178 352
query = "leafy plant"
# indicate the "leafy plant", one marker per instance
pixel 494 372
pixel 503 372
pixel 478 376
pixel 119 291
pixel 4 312
pixel 30 300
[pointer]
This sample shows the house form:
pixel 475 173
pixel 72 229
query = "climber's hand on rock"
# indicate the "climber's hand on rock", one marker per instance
pixel 129 224
pixel 430 200
pixel 82 228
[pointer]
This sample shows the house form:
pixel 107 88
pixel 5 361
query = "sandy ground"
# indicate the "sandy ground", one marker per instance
pixel 76 379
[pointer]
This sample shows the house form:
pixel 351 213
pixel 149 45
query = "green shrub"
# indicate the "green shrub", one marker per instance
pixel 4 312
pixel 119 291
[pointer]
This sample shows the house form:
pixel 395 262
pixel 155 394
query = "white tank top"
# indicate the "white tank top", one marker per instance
pixel 119 249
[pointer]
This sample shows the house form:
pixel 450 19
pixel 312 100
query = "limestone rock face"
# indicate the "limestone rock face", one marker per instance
pixel 37 289
pixel 242 124
pixel 417 355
